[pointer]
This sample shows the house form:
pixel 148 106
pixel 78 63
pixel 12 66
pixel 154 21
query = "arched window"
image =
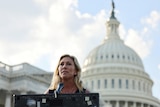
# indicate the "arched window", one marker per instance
pixel 112 56
pixel 101 56
pixel 117 56
pixel 112 83
pixel 120 83
pixel 123 57
pixel 128 58
pixel 133 84
pixel 127 84
pixel 99 82
pixel 139 86
pixel 105 83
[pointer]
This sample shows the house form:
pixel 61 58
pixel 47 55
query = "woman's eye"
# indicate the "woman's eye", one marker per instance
pixel 61 64
pixel 68 64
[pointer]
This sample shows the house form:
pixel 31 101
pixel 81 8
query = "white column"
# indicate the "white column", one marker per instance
pixel 126 104
pixel 108 104
pixel 109 84
pixel 134 104
pixel 142 105
pixel 8 100
pixel 116 85
pixel 117 104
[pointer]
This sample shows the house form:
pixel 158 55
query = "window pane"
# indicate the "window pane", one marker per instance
pixel 99 84
pixel 105 83
pixel 120 83
pixel 126 84
pixel 112 83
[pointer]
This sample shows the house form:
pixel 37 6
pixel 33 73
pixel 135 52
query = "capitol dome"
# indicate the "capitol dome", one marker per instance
pixel 117 72
pixel 113 50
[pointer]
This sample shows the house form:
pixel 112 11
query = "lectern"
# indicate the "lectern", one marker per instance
pixel 58 100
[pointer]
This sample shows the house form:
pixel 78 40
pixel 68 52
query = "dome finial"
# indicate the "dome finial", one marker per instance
pixel 113 7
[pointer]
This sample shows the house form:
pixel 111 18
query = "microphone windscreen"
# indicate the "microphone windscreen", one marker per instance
pixel 59 88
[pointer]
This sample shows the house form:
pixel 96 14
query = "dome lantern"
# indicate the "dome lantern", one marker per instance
pixel 112 25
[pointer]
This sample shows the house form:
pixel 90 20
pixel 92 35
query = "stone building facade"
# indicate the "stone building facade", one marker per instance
pixel 21 79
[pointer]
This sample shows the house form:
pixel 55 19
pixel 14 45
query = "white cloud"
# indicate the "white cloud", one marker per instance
pixel 153 20
pixel 61 30
pixel 137 42
pixel 63 3
pixel 159 66
pixel 140 40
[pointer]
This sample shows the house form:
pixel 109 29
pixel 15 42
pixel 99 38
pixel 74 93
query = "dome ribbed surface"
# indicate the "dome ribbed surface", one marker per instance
pixel 113 51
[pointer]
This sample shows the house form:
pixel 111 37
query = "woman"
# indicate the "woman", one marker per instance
pixel 66 78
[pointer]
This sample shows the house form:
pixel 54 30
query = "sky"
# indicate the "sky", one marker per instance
pixel 38 32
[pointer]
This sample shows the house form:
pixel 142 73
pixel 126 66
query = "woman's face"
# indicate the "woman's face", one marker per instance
pixel 67 68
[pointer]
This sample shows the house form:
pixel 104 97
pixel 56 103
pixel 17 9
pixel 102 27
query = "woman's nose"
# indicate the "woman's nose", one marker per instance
pixel 64 66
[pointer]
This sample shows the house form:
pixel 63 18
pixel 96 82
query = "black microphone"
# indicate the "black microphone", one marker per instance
pixel 59 88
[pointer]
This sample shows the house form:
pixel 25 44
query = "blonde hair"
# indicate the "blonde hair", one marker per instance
pixel 56 78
